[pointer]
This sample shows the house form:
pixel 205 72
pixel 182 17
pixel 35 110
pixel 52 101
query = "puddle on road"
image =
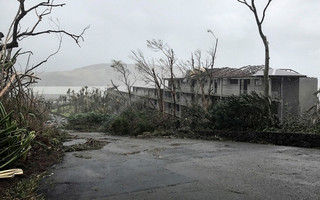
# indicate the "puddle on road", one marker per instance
pixel 74 142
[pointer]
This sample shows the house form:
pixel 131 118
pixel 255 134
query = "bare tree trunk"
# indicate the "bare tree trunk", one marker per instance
pixel 161 105
pixel 159 91
pixel 266 58
pixel 173 84
pixel 259 22
pixel 266 69
pixel 167 65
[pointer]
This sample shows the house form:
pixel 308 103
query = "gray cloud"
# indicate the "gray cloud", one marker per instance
pixel 119 26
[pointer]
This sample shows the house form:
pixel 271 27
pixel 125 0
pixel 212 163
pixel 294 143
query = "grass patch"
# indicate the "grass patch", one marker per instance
pixel 26 189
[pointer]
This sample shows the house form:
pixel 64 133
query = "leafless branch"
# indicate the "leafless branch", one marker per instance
pixel 46 60
pixel 246 3
pixel 16 36
pixel 264 11
pixel 11 80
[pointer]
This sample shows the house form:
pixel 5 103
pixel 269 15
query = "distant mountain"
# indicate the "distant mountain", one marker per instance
pixel 93 75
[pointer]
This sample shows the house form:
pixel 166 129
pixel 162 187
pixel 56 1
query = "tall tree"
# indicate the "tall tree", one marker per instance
pixel 126 77
pixel 167 64
pixel 200 73
pixel 259 22
pixel 150 75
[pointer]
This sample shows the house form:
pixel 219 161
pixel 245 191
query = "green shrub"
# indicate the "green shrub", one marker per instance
pixel 120 126
pixel 89 121
pixel 244 112
pixel 135 122
pixel 194 118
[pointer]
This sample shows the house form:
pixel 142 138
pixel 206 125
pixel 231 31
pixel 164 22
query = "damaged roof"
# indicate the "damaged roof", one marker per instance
pixel 280 72
pixel 227 72
pixel 246 71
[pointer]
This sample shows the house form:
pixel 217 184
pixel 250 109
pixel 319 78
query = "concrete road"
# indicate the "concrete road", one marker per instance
pixel 129 168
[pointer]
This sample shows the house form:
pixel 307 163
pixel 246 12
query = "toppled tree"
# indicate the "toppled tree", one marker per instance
pixel 259 22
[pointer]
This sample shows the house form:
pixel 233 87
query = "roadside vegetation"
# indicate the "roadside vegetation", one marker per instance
pixel 247 112
pixel 33 148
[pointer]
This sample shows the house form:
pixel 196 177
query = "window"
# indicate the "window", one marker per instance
pixel 215 86
pixel 178 97
pixel 193 83
pixel 192 97
pixel 178 84
pixel 234 81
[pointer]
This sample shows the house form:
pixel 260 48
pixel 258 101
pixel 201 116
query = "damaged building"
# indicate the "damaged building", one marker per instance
pixel 294 92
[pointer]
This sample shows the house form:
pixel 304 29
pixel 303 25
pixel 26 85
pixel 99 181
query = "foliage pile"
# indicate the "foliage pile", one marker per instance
pixel 309 122
pixel 90 144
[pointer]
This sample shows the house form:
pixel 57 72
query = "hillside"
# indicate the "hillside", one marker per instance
pixel 93 75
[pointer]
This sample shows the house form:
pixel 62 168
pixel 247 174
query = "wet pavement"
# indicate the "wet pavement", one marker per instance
pixel 154 168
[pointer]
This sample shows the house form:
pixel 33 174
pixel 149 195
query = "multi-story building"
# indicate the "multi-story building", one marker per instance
pixel 294 92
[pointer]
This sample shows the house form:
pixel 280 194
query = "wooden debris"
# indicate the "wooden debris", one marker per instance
pixel 10 173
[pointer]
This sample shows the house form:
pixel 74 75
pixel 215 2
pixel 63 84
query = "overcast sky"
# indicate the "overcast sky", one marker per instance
pixel 119 26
